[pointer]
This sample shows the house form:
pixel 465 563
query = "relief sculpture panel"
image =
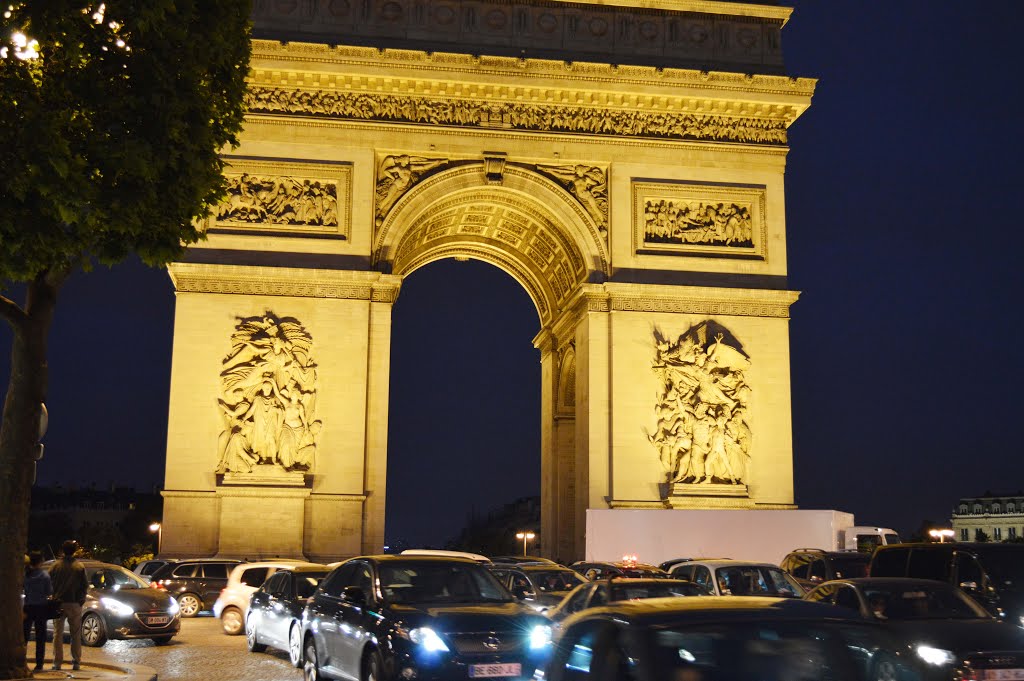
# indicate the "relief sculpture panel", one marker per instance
pixel 703 434
pixel 268 399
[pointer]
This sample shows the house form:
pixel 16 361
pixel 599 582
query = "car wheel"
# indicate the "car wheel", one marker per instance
pixel 190 605
pixel 295 645
pixel 231 621
pixel 162 640
pixel 373 667
pixel 310 662
pixel 94 634
pixel 884 670
pixel 251 642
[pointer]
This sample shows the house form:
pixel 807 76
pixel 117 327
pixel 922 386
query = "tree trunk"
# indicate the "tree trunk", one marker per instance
pixel 19 434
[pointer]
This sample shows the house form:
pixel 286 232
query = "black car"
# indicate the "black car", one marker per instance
pixel 196 583
pixel 729 639
pixel 953 636
pixel 275 611
pixel 539 585
pixel 120 605
pixel 419 617
pixel 614 589
pixel 603 570
pixel 991 573
pixel 811 567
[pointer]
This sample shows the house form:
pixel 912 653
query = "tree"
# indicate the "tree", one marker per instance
pixel 112 118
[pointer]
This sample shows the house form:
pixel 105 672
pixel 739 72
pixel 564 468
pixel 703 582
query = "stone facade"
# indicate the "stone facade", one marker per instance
pixel 625 199
pixel 997 517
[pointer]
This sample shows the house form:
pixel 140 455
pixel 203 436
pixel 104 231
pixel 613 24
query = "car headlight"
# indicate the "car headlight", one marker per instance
pixel 117 607
pixel 173 608
pixel 936 656
pixel 540 636
pixel 428 639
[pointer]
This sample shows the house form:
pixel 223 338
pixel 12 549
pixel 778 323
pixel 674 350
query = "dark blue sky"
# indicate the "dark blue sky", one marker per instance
pixel 903 236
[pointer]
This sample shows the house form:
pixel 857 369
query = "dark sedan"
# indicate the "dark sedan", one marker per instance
pixel 538 585
pixel 120 605
pixel 604 591
pixel 422 617
pixel 734 639
pixel 951 636
pixel 275 611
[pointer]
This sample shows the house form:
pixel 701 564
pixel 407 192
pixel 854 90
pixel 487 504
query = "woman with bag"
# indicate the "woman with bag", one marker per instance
pixel 38 589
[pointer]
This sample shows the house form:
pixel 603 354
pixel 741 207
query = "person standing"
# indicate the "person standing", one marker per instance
pixel 69 587
pixel 37 591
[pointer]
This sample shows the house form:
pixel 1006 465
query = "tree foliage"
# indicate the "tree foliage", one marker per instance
pixel 112 118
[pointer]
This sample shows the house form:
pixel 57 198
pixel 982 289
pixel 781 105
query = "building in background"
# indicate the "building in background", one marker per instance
pixel 990 517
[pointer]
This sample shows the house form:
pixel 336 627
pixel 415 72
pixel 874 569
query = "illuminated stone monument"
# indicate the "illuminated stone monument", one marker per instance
pixel 618 160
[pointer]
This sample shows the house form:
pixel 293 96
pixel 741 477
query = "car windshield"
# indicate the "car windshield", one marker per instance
pixel 114 578
pixel 852 565
pixel 630 592
pixel 757 580
pixel 771 651
pixel 307 582
pixel 440 582
pixel 917 602
pixel 555 580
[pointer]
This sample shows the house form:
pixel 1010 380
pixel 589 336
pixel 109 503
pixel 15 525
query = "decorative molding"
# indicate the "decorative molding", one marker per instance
pixel 700 219
pixel 282 281
pixel 699 300
pixel 666 123
pixel 284 197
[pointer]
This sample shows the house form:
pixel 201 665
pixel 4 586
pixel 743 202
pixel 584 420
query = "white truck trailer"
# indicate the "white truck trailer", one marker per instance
pixel 657 535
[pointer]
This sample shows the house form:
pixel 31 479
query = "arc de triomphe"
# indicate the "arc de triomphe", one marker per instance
pixel 622 161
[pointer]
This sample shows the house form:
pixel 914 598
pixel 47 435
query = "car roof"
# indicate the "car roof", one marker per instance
pixel 308 567
pixel 674 610
pixel 416 557
pixel 283 564
pixel 532 567
pixel 728 562
pixel 446 554
pixel 627 581
pixel 89 563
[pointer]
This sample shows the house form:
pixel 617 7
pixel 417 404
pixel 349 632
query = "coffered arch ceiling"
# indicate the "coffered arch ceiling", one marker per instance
pixel 527 226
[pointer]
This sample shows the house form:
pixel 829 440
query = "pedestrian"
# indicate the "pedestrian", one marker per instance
pixel 69 587
pixel 37 591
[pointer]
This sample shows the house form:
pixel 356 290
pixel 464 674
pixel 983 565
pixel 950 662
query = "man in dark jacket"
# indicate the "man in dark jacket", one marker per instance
pixel 69 587
pixel 37 592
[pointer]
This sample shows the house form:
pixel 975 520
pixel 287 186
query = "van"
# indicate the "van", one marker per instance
pixel 864 539
pixel 993 574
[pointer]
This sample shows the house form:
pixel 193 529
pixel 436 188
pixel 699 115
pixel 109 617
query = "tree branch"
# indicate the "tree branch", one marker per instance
pixel 12 312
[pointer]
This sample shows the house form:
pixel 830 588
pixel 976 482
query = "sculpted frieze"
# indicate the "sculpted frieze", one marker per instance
pixel 703 431
pixel 696 222
pixel 539 117
pixel 396 174
pixel 268 398
pixel 589 184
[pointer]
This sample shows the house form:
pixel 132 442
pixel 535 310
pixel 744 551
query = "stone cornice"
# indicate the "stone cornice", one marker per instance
pixel 705 7
pixel 284 281
pixel 682 300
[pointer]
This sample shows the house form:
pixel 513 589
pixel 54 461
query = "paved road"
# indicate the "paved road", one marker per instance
pixel 200 652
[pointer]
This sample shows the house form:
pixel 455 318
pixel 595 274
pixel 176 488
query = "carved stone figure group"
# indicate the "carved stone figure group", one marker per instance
pixel 703 434
pixel 280 200
pixel 268 397
pixel 699 223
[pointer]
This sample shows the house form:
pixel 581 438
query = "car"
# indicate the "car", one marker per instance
pixel 232 603
pixel 274 616
pixel 146 568
pixel 811 567
pixel 195 582
pixel 953 636
pixel 724 577
pixel 991 573
pixel 624 568
pixel 419 617
pixel 446 554
pixel 120 605
pixel 521 559
pixel 540 585
pixel 614 589
pixel 734 639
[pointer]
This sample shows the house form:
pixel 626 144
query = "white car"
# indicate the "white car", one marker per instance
pixel 739 578
pixel 233 603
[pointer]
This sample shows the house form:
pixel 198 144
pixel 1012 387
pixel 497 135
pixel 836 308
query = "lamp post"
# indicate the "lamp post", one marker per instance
pixel 525 536
pixel 940 534
pixel 159 529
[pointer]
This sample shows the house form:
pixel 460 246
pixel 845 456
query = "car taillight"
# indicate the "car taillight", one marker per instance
pixel 158 585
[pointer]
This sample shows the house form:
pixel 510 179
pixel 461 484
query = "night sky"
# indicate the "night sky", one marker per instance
pixel 903 238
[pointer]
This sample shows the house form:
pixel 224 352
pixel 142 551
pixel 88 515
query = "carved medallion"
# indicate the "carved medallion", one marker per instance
pixel 703 433
pixel 268 398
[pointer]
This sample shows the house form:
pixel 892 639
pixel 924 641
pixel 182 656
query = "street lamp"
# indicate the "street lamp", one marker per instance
pixel 159 529
pixel 940 534
pixel 525 536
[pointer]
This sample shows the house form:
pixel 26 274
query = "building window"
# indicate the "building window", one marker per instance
pixel 977 508
pixel 995 508
pixel 1011 508
pixel 1011 533
pixel 963 509
pixel 997 534
pixel 965 534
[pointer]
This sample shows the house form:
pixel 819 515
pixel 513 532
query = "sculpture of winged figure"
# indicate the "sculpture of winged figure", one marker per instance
pixel 396 175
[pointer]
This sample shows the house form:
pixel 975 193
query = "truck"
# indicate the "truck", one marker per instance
pixel 658 535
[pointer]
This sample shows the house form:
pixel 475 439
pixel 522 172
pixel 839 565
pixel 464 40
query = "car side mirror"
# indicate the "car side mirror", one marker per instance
pixel 353 595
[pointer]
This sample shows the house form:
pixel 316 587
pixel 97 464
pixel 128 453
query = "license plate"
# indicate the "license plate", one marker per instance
pixel 158 620
pixel 487 671
pixel 1002 674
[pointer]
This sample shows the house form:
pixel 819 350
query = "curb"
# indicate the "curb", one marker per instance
pixel 95 670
